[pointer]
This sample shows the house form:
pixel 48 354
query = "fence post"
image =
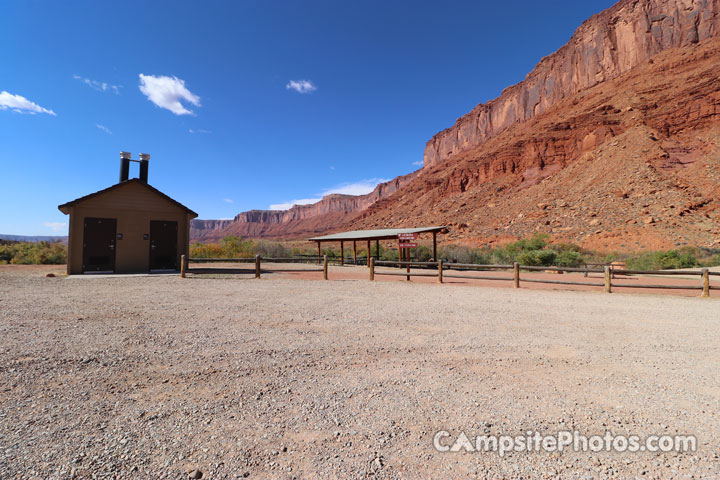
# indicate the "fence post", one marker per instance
pixel 183 266
pixel 516 274
pixel 257 266
pixel 440 271
pixel 325 267
pixel 372 269
pixel 706 282
pixel 608 283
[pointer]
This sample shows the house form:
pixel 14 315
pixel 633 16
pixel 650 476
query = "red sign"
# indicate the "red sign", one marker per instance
pixel 407 236
pixel 408 245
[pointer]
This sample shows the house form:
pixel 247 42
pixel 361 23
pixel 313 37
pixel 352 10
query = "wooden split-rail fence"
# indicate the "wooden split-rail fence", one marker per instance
pixel 258 260
pixel 450 270
pixel 442 270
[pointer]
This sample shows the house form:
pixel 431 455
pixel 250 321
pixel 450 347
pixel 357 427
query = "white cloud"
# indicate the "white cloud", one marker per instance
pixel 356 188
pixel 301 86
pixel 167 93
pixel 103 128
pixel 288 205
pixel 56 226
pixel 99 86
pixel 419 163
pixel 198 131
pixel 21 104
pixel 227 200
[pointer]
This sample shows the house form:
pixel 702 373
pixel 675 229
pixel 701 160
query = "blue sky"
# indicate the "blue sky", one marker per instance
pixel 246 104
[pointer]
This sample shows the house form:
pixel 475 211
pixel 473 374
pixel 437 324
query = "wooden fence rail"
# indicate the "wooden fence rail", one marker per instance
pixel 443 269
pixel 395 263
pixel 458 266
pixel 453 270
pixel 258 260
pixel 564 269
pixel 654 272
pixel 252 260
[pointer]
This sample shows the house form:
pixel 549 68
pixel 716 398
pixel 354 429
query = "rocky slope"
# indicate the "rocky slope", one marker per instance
pixel 631 163
pixel 605 46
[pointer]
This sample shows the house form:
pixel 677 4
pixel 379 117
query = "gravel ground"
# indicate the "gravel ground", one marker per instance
pixel 162 377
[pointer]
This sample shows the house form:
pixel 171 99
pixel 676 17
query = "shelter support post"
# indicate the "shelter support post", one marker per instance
pixel 342 252
pixel 377 249
pixel 319 253
pixel 368 254
pixel 435 247
pixel 354 252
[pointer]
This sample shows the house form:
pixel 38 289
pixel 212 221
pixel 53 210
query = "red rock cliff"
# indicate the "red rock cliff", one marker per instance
pixel 604 47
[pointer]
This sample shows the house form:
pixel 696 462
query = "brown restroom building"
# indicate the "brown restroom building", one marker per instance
pixel 130 227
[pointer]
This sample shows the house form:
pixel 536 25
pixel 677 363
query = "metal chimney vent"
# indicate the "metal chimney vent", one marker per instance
pixel 126 158
pixel 144 164
pixel 124 165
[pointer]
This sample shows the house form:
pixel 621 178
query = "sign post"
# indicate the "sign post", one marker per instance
pixel 408 240
pixel 405 241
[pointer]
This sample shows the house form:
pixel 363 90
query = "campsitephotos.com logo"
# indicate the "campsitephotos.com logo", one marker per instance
pixel 574 441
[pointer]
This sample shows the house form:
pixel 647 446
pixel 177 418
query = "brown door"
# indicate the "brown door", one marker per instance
pixel 99 245
pixel 163 245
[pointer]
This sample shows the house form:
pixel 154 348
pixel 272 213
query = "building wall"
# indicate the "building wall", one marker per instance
pixel 133 206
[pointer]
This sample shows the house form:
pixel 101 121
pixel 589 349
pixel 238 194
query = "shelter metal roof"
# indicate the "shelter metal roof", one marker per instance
pixel 383 234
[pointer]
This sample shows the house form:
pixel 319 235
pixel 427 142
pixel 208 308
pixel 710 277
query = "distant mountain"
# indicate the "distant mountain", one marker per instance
pixel 33 238
pixel 300 220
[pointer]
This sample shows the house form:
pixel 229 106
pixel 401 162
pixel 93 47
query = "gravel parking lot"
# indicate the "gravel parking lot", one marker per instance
pixel 163 377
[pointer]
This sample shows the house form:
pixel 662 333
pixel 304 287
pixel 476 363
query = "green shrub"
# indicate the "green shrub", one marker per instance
pixel 422 253
pixel 235 247
pixel 512 252
pixel 538 242
pixel 27 253
pixel 269 249
pixel 533 251
pixel 462 254
pixel 389 254
pixel 711 261
pixel 567 247
pixel 663 260
pixel 569 258
pixel 611 257
pixel 537 257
